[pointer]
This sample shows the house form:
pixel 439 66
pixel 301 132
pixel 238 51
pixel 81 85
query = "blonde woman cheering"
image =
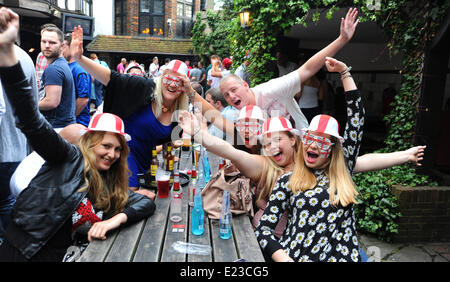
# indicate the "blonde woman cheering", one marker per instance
pixel 319 194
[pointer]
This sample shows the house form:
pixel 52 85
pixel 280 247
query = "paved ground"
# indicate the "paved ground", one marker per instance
pixel 380 251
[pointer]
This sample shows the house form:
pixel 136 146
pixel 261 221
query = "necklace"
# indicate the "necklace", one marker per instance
pixel 164 108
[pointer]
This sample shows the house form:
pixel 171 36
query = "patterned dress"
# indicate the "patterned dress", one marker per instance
pixel 316 231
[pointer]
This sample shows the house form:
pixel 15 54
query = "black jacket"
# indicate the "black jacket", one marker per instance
pixel 52 196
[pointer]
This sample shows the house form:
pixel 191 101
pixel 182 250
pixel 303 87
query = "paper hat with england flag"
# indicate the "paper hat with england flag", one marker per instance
pixel 107 122
pixel 178 66
pixel 251 117
pixel 251 111
pixel 275 124
pixel 325 124
pixel 134 65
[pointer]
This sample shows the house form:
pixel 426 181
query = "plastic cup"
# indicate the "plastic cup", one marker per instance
pixel 184 162
pixel 163 183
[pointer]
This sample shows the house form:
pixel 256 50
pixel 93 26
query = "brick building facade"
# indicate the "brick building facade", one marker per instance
pixel 147 28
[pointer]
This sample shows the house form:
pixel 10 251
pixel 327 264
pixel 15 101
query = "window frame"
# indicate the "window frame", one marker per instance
pixel 185 19
pixel 152 15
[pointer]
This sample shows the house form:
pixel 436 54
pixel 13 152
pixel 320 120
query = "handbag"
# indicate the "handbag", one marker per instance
pixel 231 179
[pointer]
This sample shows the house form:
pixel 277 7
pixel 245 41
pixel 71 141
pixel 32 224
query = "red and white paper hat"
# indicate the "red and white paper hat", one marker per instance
pixel 251 117
pixel 275 124
pixel 134 65
pixel 107 122
pixel 178 66
pixel 325 124
pixel 251 111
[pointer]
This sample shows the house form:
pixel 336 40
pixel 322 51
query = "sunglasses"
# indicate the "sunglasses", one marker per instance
pixel 168 79
pixel 323 143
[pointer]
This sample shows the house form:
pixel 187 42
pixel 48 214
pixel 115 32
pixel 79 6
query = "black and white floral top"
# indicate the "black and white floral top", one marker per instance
pixel 316 231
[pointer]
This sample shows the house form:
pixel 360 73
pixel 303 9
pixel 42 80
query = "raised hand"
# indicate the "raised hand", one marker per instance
pixel 76 46
pixel 415 154
pixel 189 123
pixel 9 27
pixel 334 65
pixel 348 25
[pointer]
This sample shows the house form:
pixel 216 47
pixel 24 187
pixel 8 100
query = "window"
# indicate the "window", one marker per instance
pixel 120 17
pixel 151 17
pixel 184 18
pixel 83 6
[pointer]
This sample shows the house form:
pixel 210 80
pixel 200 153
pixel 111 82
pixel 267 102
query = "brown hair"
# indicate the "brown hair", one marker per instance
pixel 54 28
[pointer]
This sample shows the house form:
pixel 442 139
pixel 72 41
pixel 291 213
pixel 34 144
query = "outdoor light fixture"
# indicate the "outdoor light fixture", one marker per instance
pixel 244 17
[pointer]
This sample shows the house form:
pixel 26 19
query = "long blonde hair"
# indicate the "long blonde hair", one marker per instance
pixel 271 172
pixel 108 189
pixel 341 182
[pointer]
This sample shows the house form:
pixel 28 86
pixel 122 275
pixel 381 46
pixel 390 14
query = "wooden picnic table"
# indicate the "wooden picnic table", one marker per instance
pixel 151 239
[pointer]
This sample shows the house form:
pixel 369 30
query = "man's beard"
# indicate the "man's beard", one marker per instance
pixel 53 55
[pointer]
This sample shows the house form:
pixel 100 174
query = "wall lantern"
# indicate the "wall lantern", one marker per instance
pixel 244 17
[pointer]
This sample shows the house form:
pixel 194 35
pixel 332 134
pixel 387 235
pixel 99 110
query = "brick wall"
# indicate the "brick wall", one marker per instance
pixel 171 13
pixel 425 214
pixel 133 17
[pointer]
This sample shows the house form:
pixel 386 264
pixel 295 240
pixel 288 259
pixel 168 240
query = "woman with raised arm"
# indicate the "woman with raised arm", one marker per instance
pixel 81 191
pixel 319 194
pixel 279 148
pixel 146 105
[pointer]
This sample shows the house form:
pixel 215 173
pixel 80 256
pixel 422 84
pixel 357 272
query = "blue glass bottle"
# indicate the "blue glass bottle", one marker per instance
pixel 201 171
pixel 197 214
pixel 225 217
pixel 206 166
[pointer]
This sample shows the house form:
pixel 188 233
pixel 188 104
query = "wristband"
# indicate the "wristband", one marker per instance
pixel 348 69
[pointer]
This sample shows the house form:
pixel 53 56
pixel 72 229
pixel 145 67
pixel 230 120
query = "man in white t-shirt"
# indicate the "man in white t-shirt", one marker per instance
pixel 276 96
pixel 153 69
pixel 213 81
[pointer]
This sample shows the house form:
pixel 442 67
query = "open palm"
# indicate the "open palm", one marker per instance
pixel 76 46
pixel 348 25
pixel 189 123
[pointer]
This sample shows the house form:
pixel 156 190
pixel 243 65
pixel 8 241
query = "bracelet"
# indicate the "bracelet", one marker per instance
pixel 192 95
pixel 346 75
pixel 348 69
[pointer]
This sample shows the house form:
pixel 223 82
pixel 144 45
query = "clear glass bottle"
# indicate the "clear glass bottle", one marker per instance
pixel 176 202
pixel 225 217
pixel 191 191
